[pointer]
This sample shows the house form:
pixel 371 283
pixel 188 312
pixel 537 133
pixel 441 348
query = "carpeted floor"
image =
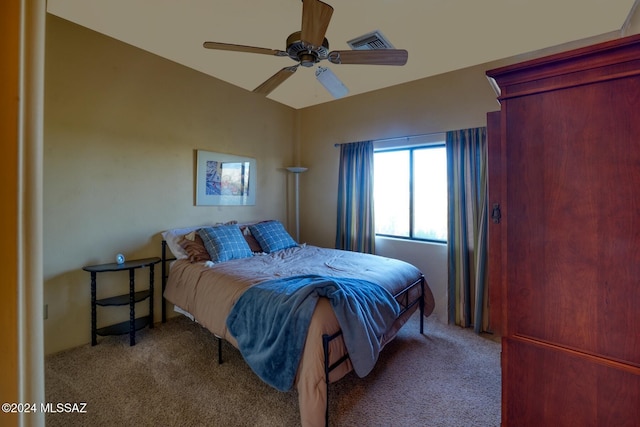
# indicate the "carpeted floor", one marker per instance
pixel 447 377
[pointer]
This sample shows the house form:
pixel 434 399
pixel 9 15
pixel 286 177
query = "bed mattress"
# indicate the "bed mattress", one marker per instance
pixel 209 291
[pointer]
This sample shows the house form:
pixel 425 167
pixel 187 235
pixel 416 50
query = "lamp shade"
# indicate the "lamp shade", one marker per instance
pixel 296 169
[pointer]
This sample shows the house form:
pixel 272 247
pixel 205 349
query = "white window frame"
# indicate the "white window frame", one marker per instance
pixel 406 143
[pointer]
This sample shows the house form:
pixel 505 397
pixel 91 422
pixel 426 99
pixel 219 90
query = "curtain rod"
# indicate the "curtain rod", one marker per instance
pixel 396 138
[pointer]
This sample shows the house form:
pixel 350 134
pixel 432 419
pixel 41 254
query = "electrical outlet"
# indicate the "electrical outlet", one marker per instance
pixel 46 311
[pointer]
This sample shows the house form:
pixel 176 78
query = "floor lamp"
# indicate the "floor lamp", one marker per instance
pixel 297 170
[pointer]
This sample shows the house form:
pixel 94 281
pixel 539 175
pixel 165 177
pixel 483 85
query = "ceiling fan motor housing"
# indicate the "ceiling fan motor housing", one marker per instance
pixel 306 54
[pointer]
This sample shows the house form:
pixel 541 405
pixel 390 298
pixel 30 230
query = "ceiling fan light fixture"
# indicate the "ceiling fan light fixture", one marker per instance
pixel 331 82
pixel 307 59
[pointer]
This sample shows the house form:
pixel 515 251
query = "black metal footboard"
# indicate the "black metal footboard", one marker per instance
pixel 405 304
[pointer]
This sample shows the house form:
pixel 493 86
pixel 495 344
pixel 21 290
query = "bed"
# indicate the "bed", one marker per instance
pixel 207 281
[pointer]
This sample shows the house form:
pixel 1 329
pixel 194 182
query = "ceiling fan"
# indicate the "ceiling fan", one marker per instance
pixel 309 46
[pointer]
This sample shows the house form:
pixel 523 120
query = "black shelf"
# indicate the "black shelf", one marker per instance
pixel 131 299
pixel 128 265
pixel 123 327
pixel 123 299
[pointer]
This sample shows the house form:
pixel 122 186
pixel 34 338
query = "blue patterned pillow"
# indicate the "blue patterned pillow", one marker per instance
pixel 225 242
pixel 272 236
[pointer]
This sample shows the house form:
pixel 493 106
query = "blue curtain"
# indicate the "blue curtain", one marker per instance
pixel 355 227
pixel 467 240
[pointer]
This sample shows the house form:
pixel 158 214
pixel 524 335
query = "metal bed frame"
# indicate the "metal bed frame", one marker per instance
pixel 402 297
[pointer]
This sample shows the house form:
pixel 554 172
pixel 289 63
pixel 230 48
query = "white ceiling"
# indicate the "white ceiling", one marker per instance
pixel 440 35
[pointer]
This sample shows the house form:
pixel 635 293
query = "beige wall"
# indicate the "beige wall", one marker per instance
pixel 121 127
pixel 633 22
pixel 451 101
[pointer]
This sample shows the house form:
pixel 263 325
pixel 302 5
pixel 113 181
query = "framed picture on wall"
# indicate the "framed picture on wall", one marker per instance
pixel 225 179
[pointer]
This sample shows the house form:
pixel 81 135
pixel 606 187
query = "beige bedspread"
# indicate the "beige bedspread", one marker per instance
pixel 209 293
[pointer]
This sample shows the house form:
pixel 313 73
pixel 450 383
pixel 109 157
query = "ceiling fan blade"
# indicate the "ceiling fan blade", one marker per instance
pixel 371 57
pixel 276 80
pixel 242 48
pixel 315 21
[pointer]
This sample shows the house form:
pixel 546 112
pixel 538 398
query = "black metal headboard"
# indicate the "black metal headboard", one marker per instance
pixel 165 276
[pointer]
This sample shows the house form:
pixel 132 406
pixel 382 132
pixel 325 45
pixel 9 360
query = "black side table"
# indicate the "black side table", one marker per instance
pixel 133 324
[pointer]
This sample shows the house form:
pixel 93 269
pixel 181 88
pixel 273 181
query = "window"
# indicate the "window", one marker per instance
pixel 410 192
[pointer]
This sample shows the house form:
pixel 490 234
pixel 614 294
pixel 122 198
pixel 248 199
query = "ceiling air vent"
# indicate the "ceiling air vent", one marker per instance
pixel 370 41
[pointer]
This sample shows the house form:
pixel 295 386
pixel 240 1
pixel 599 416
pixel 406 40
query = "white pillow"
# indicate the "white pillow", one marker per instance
pixel 173 236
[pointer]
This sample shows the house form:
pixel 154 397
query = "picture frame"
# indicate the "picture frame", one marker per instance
pixel 225 179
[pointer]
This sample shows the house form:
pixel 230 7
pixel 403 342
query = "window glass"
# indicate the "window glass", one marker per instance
pixel 430 194
pixel 410 192
pixel 391 192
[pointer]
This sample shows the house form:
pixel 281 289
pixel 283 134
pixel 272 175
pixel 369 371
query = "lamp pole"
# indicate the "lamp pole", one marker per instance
pixel 297 170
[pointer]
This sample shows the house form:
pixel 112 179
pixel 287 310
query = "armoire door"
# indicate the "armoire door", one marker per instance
pixel 571 235
pixel 495 177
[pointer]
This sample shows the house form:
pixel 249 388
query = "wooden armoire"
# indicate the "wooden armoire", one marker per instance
pixel 564 242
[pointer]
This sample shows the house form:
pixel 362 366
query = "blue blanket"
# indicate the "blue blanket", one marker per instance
pixel 270 322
